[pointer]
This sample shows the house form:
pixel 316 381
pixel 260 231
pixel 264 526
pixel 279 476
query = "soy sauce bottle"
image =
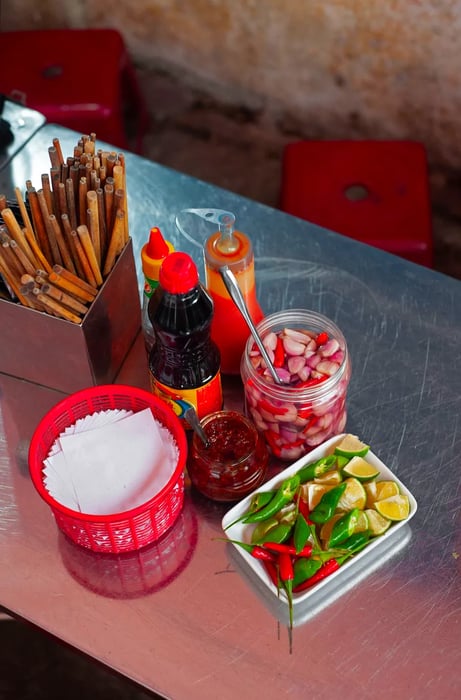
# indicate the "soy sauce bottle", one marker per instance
pixel 184 362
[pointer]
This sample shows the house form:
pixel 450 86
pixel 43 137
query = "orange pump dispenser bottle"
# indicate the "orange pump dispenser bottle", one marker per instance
pixel 229 329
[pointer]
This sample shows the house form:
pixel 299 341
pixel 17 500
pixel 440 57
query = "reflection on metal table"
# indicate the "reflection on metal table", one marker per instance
pixel 182 617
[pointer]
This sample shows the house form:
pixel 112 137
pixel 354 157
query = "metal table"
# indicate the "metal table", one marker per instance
pixel 184 618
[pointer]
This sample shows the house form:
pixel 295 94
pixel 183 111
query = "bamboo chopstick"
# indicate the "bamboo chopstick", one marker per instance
pixel 56 252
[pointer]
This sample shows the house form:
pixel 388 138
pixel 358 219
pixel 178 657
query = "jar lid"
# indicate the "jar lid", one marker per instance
pixel 178 273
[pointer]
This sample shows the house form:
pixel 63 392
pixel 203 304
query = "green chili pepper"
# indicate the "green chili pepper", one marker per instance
pixel 317 468
pixel 327 504
pixel 344 527
pixel 304 568
pixel 284 494
pixel 341 461
pixel 356 541
pixel 262 528
pixel 259 500
pixel 279 533
pixel 301 532
pixel 287 515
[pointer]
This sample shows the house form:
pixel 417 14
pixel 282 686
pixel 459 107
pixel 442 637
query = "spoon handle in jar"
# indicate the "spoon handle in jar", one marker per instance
pixel 192 418
pixel 233 288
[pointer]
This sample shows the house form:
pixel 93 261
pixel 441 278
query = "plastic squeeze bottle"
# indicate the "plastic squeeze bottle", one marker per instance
pixel 184 362
pixel 153 254
pixel 229 329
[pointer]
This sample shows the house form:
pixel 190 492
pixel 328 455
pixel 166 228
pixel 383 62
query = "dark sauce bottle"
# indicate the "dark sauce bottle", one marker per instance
pixel 184 362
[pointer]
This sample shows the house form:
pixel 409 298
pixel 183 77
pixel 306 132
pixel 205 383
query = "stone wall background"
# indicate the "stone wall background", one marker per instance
pixel 228 83
pixel 313 68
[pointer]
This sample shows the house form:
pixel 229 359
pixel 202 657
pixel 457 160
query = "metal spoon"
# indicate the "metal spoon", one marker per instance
pixel 233 288
pixel 192 418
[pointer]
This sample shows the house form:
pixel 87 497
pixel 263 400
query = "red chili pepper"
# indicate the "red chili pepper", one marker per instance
pixel 286 572
pixel 312 421
pixel 287 444
pixel 305 412
pixel 272 570
pixel 260 553
pixel 313 381
pixel 270 408
pixel 322 338
pixel 286 567
pixel 256 551
pixel 325 570
pixel 273 439
pixel 303 508
pixel 279 354
pixel 283 548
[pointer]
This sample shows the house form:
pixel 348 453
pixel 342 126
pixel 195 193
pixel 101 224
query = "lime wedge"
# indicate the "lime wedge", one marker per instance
pixel 351 446
pixel 385 489
pixel 325 530
pixel 332 477
pixel 394 508
pixel 354 496
pixel 371 490
pixel 362 523
pixel 376 522
pixel 312 493
pixel 361 469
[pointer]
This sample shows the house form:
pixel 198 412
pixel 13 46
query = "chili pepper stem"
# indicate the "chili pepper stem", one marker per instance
pixel 289 591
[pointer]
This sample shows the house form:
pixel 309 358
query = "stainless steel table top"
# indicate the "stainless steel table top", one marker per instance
pixel 184 618
pixel 24 123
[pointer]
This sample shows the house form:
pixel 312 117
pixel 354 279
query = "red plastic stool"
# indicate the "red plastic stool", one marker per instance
pixel 376 192
pixel 79 78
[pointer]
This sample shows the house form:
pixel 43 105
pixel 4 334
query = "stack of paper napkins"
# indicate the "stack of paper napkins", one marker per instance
pixel 110 461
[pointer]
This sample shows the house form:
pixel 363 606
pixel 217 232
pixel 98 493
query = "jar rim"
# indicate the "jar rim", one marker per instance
pixel 227 413
pixel 285 318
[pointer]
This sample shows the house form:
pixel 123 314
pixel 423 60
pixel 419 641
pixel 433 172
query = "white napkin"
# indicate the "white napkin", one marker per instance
pixel 110 463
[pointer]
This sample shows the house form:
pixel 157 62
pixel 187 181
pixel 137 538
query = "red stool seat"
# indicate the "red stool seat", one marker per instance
pixel 376 192
pixel 82 79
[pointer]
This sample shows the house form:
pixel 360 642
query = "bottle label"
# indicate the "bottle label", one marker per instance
pixel 205 399
pixel 149 287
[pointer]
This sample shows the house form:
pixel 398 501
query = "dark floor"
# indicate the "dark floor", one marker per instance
pixel 237 150
pixel 33 666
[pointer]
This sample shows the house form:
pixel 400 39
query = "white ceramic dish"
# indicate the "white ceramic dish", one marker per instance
pixel 242 533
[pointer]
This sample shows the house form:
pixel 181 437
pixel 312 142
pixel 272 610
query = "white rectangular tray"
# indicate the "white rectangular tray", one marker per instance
pixel 242 533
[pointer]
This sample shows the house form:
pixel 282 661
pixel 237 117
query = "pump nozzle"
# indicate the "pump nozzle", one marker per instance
pixel 227 243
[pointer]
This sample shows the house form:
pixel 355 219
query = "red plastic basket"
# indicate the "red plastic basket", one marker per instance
pixel 117 532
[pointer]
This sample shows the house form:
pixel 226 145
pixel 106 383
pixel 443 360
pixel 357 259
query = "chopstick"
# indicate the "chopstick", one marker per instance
pixel 75 224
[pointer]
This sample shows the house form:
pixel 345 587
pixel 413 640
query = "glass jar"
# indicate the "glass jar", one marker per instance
pixel 311 407
pixel 235 461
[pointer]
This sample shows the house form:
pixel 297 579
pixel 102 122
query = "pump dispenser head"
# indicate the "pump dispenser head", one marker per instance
pixel 227 243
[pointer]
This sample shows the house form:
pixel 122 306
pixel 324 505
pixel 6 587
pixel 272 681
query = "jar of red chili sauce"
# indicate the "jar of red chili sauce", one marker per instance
pixel 235 461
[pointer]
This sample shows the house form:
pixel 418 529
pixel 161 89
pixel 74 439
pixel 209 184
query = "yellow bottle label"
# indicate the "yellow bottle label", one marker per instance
pixel 205 399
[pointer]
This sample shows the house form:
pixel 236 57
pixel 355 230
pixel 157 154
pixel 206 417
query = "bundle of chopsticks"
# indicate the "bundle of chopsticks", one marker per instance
pixel 59 244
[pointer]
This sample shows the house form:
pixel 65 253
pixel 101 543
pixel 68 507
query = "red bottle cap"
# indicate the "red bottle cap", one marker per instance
pixel 157 247
pixel 178 273
pixel 154 252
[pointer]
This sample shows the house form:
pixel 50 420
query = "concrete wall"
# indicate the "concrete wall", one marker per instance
pixel 320 68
